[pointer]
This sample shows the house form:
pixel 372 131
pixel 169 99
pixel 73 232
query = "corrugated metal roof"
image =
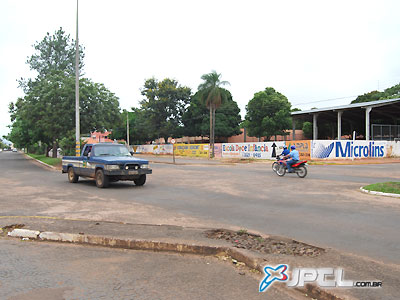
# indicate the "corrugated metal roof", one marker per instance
pixel 349 106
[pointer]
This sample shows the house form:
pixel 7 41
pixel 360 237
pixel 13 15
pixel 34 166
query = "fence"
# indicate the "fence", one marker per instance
pixel 385 132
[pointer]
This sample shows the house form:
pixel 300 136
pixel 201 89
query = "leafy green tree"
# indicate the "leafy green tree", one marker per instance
pixel 47 111
pixel 196 119
pixel 55 53
pixel 367 97
pixel 163 107
pixel 2 144
pixel 308 130
pixel 213 95
pixel 139 132
pixel 389 93
pixel 268 114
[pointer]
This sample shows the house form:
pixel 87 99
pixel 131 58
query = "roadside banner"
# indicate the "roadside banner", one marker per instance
pixel 199 150
pixel 304 148
pixel 218 150
pixel 260 150
pixel 328 149
pixel 154 149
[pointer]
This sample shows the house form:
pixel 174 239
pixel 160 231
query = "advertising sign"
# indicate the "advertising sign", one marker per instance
pixel 260 150
pixel 154 149
pixel 199 150
pixel 218 150
pixel 348 149
pixel 304 148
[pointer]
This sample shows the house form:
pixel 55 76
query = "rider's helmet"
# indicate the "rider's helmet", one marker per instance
pixel 293 147
pixel 284 147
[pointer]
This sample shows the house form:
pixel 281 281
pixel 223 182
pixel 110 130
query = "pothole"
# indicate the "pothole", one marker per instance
pixel 254 242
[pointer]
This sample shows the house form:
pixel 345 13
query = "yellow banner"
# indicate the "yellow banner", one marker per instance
pixel 304 148
pixel 191 150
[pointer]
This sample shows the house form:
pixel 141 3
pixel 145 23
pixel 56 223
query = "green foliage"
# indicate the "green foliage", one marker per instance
pixel 308 130
pixel 367 97
pixel 389 93
pixel 47 111
pixel 268 114
pixel 196 119
pixel 212 95
pixel 139 132
pixel 211 92
pixel 54 54
pixel 2 144
pixel 163 107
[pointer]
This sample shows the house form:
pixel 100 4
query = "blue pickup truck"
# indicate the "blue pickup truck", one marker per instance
pixel 106 162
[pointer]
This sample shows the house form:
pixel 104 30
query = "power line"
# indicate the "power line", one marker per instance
pixel 325 100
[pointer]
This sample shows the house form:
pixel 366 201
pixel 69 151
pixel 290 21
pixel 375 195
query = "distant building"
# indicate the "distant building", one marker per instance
pixel 101 137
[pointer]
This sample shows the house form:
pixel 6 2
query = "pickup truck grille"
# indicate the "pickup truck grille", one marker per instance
pixel 132 167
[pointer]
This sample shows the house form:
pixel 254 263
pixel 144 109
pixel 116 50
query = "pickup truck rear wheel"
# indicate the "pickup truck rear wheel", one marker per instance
pixel 72 177
pixel 102 180
pixel 140 181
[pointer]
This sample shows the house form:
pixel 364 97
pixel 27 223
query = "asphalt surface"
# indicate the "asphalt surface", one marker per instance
pixel 325 209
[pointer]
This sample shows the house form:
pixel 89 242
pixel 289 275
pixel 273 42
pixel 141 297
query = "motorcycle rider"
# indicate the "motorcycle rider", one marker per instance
pixel 285 151
pixel 293 156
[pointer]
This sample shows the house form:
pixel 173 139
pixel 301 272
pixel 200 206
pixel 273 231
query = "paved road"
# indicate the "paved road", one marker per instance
pixel 324 209
pixel 48 271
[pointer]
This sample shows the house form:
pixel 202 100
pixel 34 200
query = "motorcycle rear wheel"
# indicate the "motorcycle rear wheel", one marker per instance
pixel 301 171
pixel 281 170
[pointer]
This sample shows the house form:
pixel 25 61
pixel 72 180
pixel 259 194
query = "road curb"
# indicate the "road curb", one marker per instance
pixel 244 256
pixel 379 193
pixel 40 162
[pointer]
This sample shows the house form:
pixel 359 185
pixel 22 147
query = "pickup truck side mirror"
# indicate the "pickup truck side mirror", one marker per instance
pixel 131 152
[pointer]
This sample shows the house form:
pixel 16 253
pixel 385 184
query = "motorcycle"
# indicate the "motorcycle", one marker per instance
pixel 299 168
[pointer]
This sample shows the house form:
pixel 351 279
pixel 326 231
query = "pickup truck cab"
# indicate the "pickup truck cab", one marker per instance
pixel 106 162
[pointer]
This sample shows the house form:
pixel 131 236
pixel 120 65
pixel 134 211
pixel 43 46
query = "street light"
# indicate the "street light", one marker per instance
pixel 77 123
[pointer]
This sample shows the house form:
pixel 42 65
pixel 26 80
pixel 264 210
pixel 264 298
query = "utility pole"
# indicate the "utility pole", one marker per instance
pixel 127 127
pixel 77 121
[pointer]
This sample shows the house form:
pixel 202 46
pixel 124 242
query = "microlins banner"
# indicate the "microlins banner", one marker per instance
pixel 263 150
pixel 348 149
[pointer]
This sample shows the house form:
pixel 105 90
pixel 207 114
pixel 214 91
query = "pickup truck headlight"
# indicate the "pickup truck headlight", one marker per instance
pixel 112 167
pixel 144 166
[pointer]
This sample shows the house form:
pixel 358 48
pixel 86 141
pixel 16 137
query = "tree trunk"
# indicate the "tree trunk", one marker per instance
pixel 213 142
pixel 54 150
pixel 47 150
pixel 211 130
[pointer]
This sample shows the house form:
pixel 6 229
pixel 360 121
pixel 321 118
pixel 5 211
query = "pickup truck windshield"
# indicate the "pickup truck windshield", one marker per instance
pixel 111 150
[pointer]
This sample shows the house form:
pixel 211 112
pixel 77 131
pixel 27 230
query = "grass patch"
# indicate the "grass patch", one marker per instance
pixel 384 187
pixel 48 160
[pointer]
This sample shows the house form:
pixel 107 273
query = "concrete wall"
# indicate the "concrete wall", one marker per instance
pixel 318 149
pixel 393 149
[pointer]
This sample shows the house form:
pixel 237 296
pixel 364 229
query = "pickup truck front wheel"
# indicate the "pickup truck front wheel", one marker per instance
pixel 72 177
pixel 140 181
pixel 101 179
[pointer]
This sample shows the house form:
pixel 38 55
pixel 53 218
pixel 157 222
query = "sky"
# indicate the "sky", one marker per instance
pixel 317 53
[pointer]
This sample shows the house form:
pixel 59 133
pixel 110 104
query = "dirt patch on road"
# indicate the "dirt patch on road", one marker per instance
pixel 243 239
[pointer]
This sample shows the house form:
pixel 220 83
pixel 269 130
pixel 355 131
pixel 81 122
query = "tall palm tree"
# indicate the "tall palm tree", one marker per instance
pixel 212 95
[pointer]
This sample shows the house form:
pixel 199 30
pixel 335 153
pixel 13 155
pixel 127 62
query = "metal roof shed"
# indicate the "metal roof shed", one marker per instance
pixel 357 112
